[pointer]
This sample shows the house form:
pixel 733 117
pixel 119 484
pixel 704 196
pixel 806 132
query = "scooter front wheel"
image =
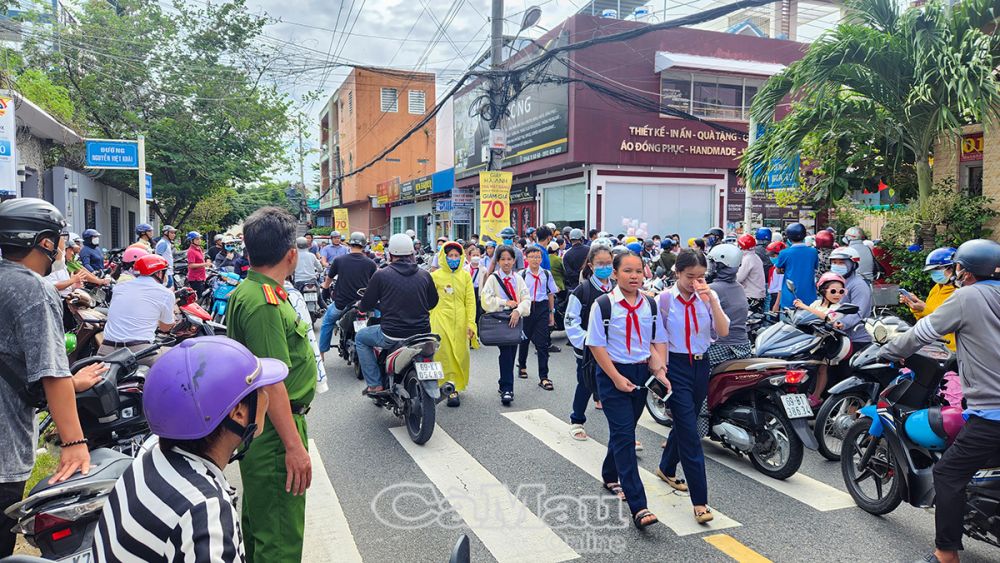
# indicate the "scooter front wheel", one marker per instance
pixel 880 473
pixel 834 419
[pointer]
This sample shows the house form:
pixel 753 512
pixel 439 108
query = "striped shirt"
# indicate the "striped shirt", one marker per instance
pixel 170 506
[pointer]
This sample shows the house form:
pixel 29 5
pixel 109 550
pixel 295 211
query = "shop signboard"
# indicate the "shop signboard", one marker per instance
pixel 972 147
pixel 461 216
pixel 9 186
pixel 463 197
pixel 494 202
pixel 524 193
pixel 407 190
pixel 423 186
pixel 340 221
pixel 444 205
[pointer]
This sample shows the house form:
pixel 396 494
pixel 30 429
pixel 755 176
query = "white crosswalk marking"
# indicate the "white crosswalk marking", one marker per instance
pixel 802 488
pixel 671 509
pixel 327 537
pixel 508 529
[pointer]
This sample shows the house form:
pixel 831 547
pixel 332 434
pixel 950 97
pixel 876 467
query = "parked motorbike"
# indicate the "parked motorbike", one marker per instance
pixel 224 285
pixel 878 448
pixel 347 327
pixel 194 320
pixel 410 377
pixel 759 322
pixel 754 407
pixel 89 324
pixel 845 399
pixel 60 519
pixel 310 293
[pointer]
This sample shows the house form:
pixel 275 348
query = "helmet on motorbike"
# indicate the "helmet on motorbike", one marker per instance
pixel 716 232
pixel 302 243
pixel 946 421
pixel 400 245
pixel 763 233
pixel 667 244
pixel 634 247
pixel 25 221
pixel 824 239
pixel 193 235
pixel 796 232
pixel 168 229
pixel 980 257
pixel 409 232
pixel 776 236
pixel 746 242
pixel 576 234
pixel 218 238
pixel 551 226
pixel 150 264
pixel 335 234
pixel 70 340
pixel 358 239
pixel 726 254
pixel 91 233
pixel 74 240
pixel 776 247
pixel 631 239
pixel 934 428
pixel 507 233
pixel 143 228
pixel 133 253
pixel 830 277
pixel 854 233
pixel 810 241
pixel 940 258
pixel 845 253
pixel 603 242
pixel 180 404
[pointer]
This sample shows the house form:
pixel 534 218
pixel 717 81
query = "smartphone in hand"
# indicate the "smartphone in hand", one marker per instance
pixel 905 293
pixel 657 388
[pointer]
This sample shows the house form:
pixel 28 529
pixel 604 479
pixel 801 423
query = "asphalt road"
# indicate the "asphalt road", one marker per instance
pixel 513 480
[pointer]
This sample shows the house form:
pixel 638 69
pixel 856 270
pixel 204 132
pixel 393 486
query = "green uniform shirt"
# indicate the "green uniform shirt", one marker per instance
pixel 273 331
pixel 555 261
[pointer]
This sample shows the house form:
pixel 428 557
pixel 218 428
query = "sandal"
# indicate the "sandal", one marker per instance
pixel 578 433
pixel 522 373
pixel 674 482
pixel 598 405
pixel 506 398
pixel 546 384
pixel 615 489
pixel 704 516
pixel 453 400
pixel 644 518
pixel 638 446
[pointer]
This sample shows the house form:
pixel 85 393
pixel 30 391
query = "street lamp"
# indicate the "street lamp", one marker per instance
pixel 531 17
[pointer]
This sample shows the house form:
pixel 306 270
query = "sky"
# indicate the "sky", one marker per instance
pixel 406 34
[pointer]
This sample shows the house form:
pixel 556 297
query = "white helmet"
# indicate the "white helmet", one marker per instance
pixel 845 253
pixel 400 245
pixel 810 241
pixel 869 243
pixel 727 254
pixel 776 237
pixel 410 233
pixel 551 226
pixel 854 233
pixel 302 243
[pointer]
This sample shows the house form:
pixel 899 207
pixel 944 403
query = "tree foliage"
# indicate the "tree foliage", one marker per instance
pixel 902 78
pixel 192 78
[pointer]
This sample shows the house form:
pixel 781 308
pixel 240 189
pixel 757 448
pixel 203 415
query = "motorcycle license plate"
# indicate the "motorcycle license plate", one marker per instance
pixel 310 296
pixel 358 325
pixel 796 405
pixel 429 371
pixel 78 558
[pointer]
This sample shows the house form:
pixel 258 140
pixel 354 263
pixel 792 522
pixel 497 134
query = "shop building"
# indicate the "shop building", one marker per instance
pixel 371 110
pixel 587 159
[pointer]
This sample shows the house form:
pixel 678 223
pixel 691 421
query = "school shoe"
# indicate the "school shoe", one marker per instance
pixel 506 398
pixel 553 349
pixel 453 400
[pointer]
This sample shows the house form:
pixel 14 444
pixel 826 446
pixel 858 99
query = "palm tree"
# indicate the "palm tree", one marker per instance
pixel 905 76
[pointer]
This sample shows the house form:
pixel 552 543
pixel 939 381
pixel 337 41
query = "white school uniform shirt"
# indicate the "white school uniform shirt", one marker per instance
pixel 545 277
pixel 494 298
pixel 615 343
pixel 690 328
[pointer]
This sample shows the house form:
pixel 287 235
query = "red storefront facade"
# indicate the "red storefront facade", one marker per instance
pixel 615 164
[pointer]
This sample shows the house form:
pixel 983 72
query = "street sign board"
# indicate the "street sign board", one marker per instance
pixel 445 205
pixel 149 186
pixel 112 153
pixel 463 197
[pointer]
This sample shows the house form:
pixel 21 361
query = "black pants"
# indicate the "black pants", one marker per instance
pixel 198 286
pixel 479 305
pixel 10 493
pixel 975 448
pixel 537 332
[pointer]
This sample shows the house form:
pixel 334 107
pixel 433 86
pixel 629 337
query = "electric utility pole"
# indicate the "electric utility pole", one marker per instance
pixel 496 64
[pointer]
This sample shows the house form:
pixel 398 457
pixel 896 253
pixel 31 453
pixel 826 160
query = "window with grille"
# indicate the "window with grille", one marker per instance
pixel 416 102
pixel 131 223
pixel 350 103
pixel 116 227
pixel 390 100
pixel 90 213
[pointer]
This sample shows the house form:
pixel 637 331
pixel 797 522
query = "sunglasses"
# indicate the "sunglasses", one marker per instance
pixel 837 291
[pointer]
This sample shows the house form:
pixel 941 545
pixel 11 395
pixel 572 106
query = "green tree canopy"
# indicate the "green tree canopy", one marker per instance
pixel 903 77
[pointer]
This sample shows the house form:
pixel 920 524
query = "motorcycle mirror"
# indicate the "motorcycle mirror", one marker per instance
pixel 880 333
pixel 790 285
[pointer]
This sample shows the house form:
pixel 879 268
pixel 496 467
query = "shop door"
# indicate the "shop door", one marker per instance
pixel 664 208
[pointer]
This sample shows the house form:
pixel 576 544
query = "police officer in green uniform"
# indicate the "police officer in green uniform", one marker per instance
pixel 276 470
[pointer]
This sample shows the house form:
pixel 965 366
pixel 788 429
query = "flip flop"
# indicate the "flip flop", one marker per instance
pixel 522 373
pixel 578 433
pixel 546 384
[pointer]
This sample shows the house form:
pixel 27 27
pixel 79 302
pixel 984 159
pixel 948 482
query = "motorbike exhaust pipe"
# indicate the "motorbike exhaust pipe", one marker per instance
pixel 446 389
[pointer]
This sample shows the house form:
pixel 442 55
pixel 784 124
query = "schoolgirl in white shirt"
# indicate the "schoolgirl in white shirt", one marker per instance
pixel 623 350
pixel 693 317
pixel 504 289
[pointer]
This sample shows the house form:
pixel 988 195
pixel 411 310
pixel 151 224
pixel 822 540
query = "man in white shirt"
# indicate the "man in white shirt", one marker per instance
pixel 139 308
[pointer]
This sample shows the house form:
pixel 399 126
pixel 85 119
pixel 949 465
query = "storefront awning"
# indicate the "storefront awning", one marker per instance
pixel 666 60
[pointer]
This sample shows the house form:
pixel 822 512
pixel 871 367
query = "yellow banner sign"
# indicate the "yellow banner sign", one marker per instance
pixel 494 202
pixel 340 222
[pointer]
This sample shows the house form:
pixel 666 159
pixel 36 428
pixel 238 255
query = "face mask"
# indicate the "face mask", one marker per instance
pixel 711 241
pixel 603 272
pixel 839 269
pixel 438 248
pixel 95 241
pixel 508 241
pixel 453 263
pixel 959 278
pixel 475 261
pixel 230 248
pixel 939 277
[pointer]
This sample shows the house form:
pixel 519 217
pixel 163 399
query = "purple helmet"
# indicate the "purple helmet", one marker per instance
pixel 192 388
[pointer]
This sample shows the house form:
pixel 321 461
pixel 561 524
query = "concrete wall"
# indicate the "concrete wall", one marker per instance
pixel 73 204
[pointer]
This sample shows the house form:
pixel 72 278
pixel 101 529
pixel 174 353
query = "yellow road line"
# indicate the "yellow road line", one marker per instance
pixel 741 553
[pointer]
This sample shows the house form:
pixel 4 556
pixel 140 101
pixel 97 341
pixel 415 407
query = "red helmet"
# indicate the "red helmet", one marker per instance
pixel 824 239
pixel 150 264
pixel 776 247
pixel 830 277
pixel 746 242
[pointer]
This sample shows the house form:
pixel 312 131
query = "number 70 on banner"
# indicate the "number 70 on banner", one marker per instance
pixel 495 207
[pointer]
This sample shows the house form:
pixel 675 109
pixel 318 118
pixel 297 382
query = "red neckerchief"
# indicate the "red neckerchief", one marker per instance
pixel 474 271
pixel 689 313
pixel 538 282
pixel 510 289
pixel 631 318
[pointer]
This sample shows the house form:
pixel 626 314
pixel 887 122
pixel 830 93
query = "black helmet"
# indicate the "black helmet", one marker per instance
pixel 796 232
pixel 716 232
pixel 980 257
pixel 25 220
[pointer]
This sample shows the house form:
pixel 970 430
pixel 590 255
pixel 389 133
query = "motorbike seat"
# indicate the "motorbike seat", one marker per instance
pixel 105 464
pixel 746 364
pixel 397 344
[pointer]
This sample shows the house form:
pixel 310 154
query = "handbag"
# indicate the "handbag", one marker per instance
pixel 495 329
